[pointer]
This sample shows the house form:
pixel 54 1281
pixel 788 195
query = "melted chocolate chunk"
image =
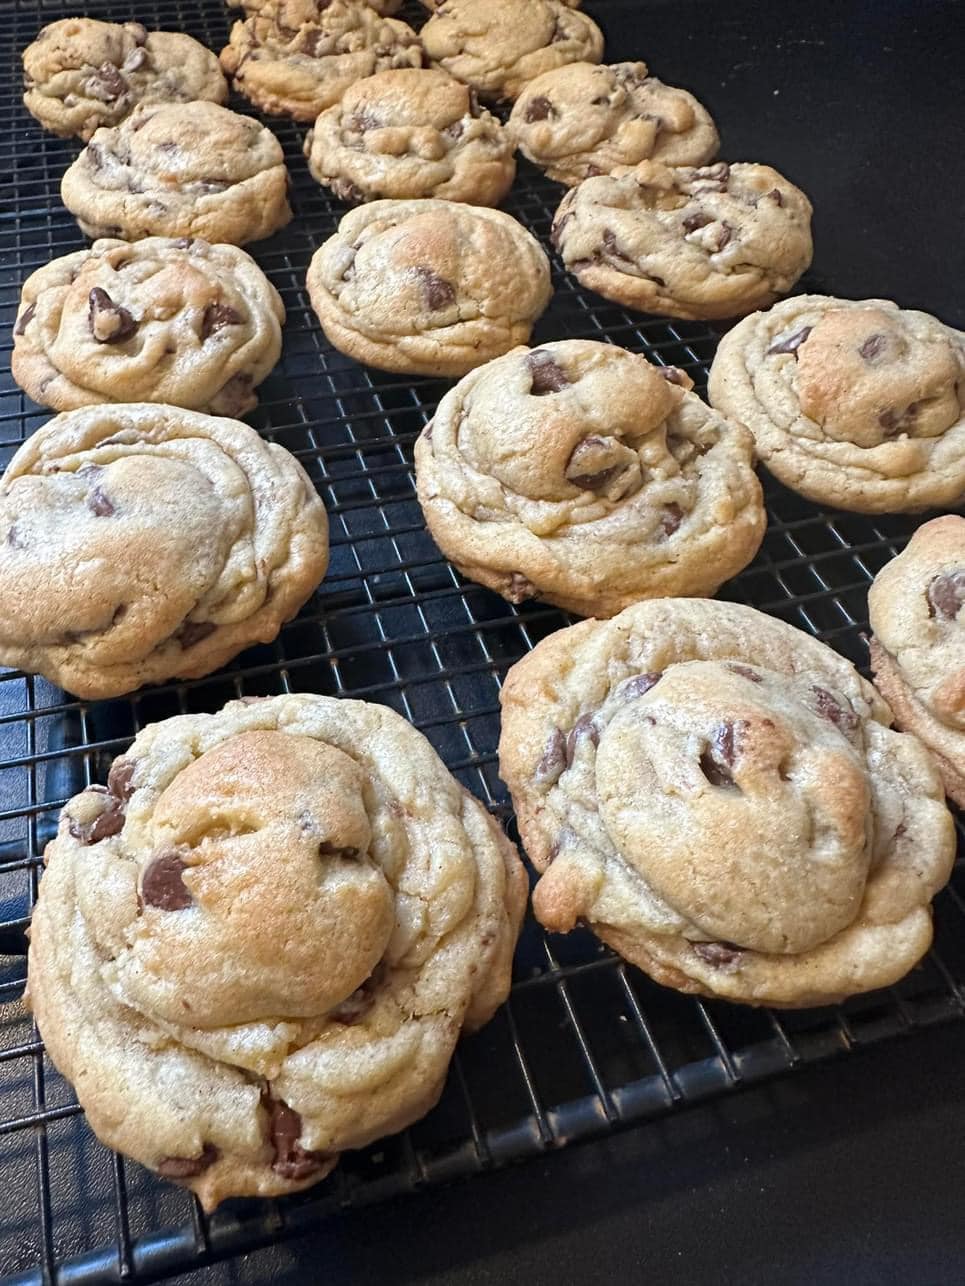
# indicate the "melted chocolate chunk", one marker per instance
pixel 107 84
pixel 554 758
pixel 890 421
pixel 438 292
pixel 345 190
pixel 354 1008
pixel 830 708
pixel 718 759
pixel 790 343
pixel 584 729
pixel 586 451
pixel 291 1160
pixel 520 588
pixel 192 632
pixel 325 849
pixel 671 518
pixel 538 109
pixel 188 1167
pixel 673 375
pixel 24 320
pixel 547 375
pixel 945 594
pixel 611 247
pixel 630 689
pixel 107 823
pixel 136 59
pixel 452 131
pixel 99 503
pixel 698 220
pixel 872 347
pixel 745 672
pixel 120 779
pixel 184 243
pixel 162 883
pixel 722 237
pixel 718 954
pixel 556 231
pixel 775 196
pixel 109 322
pixel 216 317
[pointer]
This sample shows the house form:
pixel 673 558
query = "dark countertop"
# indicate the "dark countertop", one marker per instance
pixel 856 1170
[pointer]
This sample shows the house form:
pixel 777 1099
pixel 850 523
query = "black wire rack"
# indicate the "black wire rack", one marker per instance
pixel 586 1043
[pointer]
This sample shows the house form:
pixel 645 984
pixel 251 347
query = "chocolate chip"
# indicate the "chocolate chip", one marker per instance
pixel 187 1167
pixel 657 281
pixel 216 317
pixel 946 594
pixel 120 779
pixel 362 121
pixel 776 197
pixel 24 320
pixel 611 247
pixel 99 503
pixel 107 823
pixel 538 109
pixel 353 1009
pixel 872 347
pixel 830 708
pixel 593 171
pixel 722 237
pixel 438 292
pixel 345 190
pixel 192 632
pixel 107 85
pixel 554 758
pixel 671 518
pixel 790 343
pixel 673 375
pixel 745 672
pixel 585 452
pixel 600 101
pixel 890 421
pixel 325 849
pixel 546 375
pixel 694 221
pixel 162 883
pixel 630 689
pixel 135 60
pixel 454 130
pixel 520 588
pixel 109 322
pixel 291 1160
pixel 584 729
pixel 718 954
pixel 556 231
pixel 718 759
pixel 184 243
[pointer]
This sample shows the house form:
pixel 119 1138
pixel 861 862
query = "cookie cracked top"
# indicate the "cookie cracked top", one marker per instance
pixel 144 542
pixel 428 287
pixel 497 46
pixel 578 473
pixel 918 643
pixel 80 74
pixel 720 797
pixel 258 944
pixel 158 320
pixel 299 59
pixel 181 170
pixel 853 403
pixel 683 241
pixel 583 120
pixel 408 133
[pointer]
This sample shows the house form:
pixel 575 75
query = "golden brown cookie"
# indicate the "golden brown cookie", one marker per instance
pixel 259 944
pixel 721 798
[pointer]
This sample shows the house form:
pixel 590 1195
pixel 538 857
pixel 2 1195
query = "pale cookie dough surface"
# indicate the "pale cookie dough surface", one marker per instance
pixel 720 798
pixel 300 59
pixel 143 542
pixel 428 287
pixel 579 474
pixel 258 946
pixel 270 7
pixel 918 643
pixel 407 133
pixel 80 74
pixel 158 320
pixel 584 120
pixel 680 241
pixel 184 170
pixel 497 46
pixel 854 403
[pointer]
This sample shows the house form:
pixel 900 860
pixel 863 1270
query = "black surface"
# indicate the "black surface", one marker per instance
pixel 854 1171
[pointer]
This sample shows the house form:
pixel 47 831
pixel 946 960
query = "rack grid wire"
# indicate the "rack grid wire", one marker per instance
pixel 586 1044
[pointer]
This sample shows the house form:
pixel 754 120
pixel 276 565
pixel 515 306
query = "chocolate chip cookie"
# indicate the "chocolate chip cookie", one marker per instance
pixel 269 7
pixel 158 320
pixel 854 403
pixel 257 946
pixel 80 74
pixel 185 170
pixel 407 133
pixel 144 542
pixel 918 644
pixel 580 474
pixel 720 797
pixel 428 287
pixel 497 46
pixel 301 59
pixel 682 241
pixel 582 120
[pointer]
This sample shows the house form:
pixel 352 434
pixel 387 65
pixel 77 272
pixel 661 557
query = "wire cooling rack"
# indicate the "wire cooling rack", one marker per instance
pixel 586 1043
